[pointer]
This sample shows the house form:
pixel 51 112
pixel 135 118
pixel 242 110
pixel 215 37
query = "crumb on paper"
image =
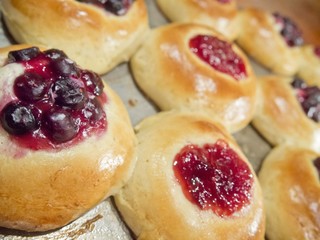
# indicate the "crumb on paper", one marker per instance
pixel 133 102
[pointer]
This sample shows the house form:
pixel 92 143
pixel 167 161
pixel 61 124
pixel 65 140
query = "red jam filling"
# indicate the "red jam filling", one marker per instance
pixel 317 51
pixel 309 98
pixel 289 30
pixel 116 7
pixel 214 177
pixel 57 103
pixel 219 55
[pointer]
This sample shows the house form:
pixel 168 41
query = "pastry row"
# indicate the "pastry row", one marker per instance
pixel 187 174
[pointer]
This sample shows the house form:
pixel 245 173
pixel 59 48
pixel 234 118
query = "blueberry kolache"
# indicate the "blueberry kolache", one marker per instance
pixel 220 15
pixel 66 139
pixel 272 39
pixel 191 181
pixel 97 34
pixel 195 68
pixel 288 111
pixel 289 178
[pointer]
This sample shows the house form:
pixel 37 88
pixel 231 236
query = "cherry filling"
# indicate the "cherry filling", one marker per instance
pixel 309 98
pixel 57 103
pixel 214 177
pixel 116 7
pixel 316 163
pixel 219 55
pixel 289 30
pixel 317 51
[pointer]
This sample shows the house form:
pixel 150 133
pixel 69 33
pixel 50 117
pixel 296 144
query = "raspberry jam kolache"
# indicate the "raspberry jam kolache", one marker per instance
pixel 214 177
pixel 218 54
pixel 55 101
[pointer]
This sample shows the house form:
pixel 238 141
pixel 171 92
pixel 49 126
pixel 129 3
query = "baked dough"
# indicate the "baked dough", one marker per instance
pixel 280 117
pixel 291 190
pixel 175 78
pixel 222 17
pixel 153 203
pixel 95 39
pixel 309 69
pixel 45 189
pixel 261 39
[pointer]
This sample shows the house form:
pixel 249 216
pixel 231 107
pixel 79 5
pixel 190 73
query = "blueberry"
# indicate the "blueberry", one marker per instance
pixel 316 163
pixel 93 82
pixel 93 111
pixel 59 126
pixel 290 31
pixel 116 7
pixel 18 119
pixel 31 87
pixel 298 83
pixel 69 93
pixel 64 67
pixel 23 54
pixel 55 54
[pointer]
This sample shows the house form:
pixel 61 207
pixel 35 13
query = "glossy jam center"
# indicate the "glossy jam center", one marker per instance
pixel 56 103
pixel 309 98
pixel 289 30
pixel 116 7
pixel 219 55
pixel 214 177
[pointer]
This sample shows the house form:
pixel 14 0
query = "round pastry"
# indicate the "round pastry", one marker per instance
pixel 288 111
pixel 189 66
pixel 97 34
pixel 271 39
pixel 289 178
pixel 310 64
pixel 221 15
pixel 66 140
pixel 191 181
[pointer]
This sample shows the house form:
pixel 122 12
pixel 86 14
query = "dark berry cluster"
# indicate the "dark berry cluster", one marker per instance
pixel 289 30
pixel 55 99
pixel 309 98
pixel 116 7
pixel 218 54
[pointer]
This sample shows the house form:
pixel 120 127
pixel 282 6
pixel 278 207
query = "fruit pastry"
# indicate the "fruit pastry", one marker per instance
pixel 271 39
pixel 288 111
pixel 66 140
pixel 289 178
pixel 191 67
pixel 191 181
pixel 309 69
pixel 97 34
pixel 221 15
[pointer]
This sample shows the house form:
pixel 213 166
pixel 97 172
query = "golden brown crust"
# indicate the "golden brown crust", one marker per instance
pixel 43 190
pixel 153 204
pixel 280 117
pixel 309 69
pixel 260 38
pixel 291 189
pixel 221 17
pixel 94 38
pixel 175 78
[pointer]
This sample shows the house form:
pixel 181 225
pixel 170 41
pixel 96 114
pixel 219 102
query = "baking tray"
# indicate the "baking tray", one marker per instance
pixel 103 221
